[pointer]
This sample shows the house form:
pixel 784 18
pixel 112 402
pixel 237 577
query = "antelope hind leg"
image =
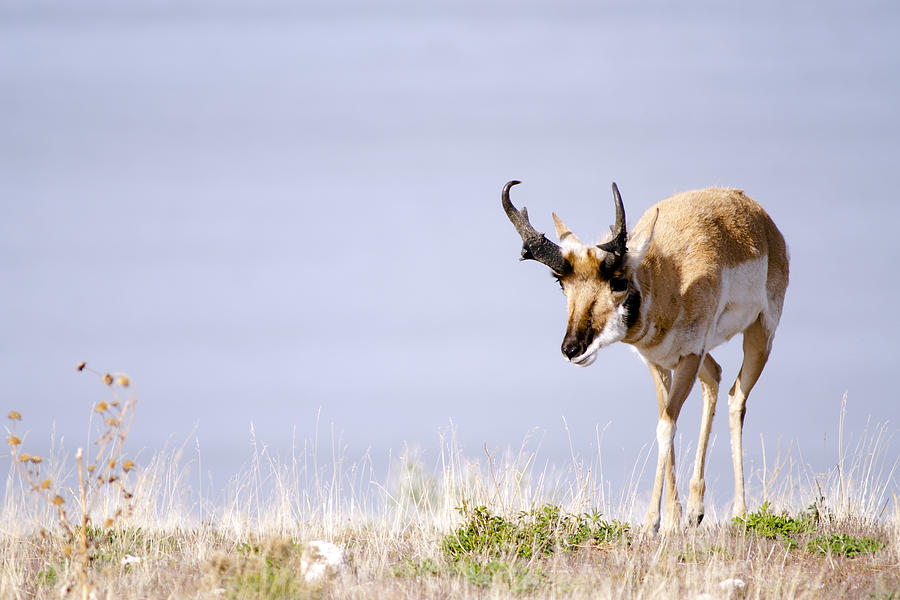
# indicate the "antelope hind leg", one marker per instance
pixel 757 344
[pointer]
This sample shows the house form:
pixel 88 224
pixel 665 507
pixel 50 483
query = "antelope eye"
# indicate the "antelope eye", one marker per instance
pixel 618 285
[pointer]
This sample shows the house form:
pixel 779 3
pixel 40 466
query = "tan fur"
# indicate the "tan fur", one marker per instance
pixel 697 235
pixel 716 266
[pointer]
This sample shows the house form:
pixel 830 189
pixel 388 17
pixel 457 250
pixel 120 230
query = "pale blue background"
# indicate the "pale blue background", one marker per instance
pixel 263 210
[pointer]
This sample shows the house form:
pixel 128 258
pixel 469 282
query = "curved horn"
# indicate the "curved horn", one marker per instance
pixel 617 244
pixel 534 245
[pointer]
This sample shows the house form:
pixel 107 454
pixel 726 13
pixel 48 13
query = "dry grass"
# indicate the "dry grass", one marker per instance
pixel 394 530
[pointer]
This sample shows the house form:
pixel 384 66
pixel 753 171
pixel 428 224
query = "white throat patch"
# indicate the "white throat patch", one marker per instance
pixel 613 331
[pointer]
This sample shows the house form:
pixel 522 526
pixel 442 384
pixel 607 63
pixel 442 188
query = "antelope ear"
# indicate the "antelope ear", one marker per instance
pixel 563 233
pixel 640 242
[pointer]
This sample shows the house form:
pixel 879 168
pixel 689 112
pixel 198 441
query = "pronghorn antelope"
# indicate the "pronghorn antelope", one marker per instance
pixel 699 267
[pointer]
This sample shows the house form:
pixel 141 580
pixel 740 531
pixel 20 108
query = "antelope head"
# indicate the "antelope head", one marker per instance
pixel 603 296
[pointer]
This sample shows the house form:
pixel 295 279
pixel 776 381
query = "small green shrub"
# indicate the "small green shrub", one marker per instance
pixel 264 571
pixel 768 525
pixel 46 577
pixel 111 545
pixel 530 534
pixel 844 545
pixel 787 528
pixel 488 549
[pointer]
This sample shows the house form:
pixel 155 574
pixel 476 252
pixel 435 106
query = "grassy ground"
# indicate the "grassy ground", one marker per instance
pixel 470 528
pixel 831 558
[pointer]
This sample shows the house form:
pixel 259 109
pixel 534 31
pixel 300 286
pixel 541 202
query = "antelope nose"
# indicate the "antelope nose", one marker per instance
pixel 572 348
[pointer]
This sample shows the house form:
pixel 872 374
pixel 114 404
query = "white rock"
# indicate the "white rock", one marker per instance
pixel 322 559
pixel 733 584
pixel 128 559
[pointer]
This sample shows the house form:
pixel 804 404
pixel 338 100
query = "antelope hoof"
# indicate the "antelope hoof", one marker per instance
pixel 694 519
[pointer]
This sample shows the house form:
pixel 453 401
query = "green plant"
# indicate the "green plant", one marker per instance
pixel 844 545
pixel 787 528
pixel 529 534
pixel 110 545
pixel 261 571
pixel 488 548
pixel 768 525
pixel 46 577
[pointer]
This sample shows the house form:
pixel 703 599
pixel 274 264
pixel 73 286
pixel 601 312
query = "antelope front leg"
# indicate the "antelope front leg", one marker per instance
pixel 682 381
pixel 710 375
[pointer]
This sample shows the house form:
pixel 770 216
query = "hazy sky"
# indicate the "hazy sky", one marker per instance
pixel 261 211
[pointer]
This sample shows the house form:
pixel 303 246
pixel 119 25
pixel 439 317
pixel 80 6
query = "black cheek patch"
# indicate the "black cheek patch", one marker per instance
pixel 632 308
pixel 618 284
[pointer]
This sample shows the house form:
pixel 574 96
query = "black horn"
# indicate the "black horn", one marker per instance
pixel 617 244
pixel 535 246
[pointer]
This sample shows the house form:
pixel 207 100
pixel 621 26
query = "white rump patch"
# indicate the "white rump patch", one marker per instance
pixel 742 299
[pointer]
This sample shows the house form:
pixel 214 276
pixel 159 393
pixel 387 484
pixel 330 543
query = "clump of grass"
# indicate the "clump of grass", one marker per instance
pixel 788 528
pixel 698 553
pixel 260 570
pixel 534 533
pixel 107 471
pixel 416 568
pixel 488 548
pixel 518 577
pixel 46 577
pixel 842 544
pixel 765 523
